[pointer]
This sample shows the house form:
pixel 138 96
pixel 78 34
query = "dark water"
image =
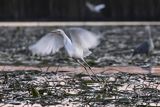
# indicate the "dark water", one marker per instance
pixel 69 89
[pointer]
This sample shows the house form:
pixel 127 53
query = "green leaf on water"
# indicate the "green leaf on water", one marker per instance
pixel 34 92
pixel 91 63
pixel 98 97
pixel 80 75
pixel 87 82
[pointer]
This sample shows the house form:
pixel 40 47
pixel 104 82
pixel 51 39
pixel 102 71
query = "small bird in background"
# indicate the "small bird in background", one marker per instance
pixel 77 46
pixel 95 8
pixel 146 47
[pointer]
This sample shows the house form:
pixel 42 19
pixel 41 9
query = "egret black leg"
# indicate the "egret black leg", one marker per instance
pixel 48 68
pixel 90 68
pixel 151 61
pixel 57 68
pixel 82 66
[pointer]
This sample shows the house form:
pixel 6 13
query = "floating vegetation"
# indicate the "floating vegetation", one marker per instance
pixel 64 89
pixel 47 88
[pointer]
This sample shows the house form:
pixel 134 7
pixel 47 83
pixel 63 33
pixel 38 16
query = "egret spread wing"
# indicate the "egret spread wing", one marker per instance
pixel 49 44
pixel 83 39
pixel 90 6
pixel 100 7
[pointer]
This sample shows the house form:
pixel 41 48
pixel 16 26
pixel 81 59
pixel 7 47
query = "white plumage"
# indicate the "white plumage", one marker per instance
pixel 95 8
pixel 49 44
pixel 77 46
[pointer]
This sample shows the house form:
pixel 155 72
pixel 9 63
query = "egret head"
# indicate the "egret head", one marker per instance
pixel 58 31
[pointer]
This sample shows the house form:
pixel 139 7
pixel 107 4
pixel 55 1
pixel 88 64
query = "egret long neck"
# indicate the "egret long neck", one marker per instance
pixel 66 39
pixel 150 35
pixel 150 39
pixel 68 45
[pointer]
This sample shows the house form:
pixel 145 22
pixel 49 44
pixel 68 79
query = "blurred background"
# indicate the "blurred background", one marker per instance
pixel 76 10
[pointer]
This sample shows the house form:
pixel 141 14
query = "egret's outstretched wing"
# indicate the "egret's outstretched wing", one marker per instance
pixel 84 38
pixel 95 8
pixel 99 7
pixel 90 6
pixel 49 44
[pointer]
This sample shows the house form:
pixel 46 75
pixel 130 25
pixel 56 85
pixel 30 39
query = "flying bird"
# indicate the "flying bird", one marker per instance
pixel 146 47
pixel 77 46
pixel 95 8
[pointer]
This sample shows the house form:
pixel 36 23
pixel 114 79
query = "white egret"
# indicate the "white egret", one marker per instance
pixel 77 46
pixel 147 46
pixel 95 8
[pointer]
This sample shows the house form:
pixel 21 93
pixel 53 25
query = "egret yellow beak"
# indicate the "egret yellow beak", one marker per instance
pixel 54 31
